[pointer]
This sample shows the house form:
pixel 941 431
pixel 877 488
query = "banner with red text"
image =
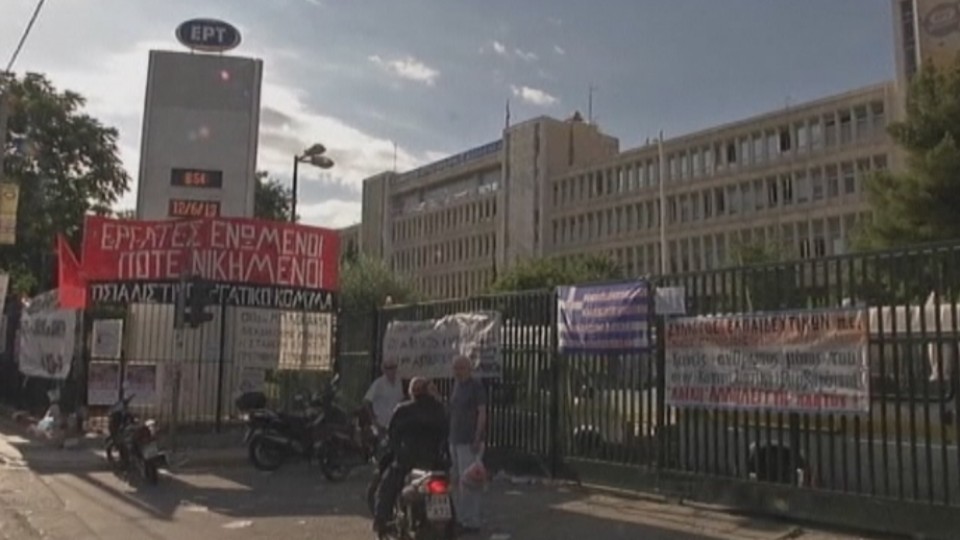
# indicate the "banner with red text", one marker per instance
pixel 811 361
pixel 223 250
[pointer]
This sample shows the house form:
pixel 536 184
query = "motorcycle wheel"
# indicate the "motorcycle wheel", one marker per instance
pixel 332 464
pixel 265 455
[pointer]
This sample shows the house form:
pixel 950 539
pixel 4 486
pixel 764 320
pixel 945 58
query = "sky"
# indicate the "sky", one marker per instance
pixel 434 76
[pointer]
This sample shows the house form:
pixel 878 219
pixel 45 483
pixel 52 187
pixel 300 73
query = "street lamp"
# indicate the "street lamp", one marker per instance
pixel 312 156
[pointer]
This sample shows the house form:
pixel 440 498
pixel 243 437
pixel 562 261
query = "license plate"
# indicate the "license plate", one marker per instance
pixel 150 451
pixel 438 508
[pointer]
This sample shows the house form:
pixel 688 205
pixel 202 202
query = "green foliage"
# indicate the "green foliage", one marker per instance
pixel 366 282
pixel 551 272
pixel 69 166
pixel 271 199
pixel 920 205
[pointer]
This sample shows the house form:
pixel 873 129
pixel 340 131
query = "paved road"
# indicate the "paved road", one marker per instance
pixel 56 500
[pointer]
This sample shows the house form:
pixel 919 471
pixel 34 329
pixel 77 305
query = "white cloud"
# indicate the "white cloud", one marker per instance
pixel 559 50
pixel 534 96
pixel 526 55
pixel 408 68
pixel 499 48
pixel 334 213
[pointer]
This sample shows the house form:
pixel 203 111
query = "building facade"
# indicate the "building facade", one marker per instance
pixel 791 181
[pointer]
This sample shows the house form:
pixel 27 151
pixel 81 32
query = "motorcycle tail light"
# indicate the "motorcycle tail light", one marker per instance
pixel 437 486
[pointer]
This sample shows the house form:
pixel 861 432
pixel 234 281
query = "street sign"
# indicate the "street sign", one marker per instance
pixel 208 35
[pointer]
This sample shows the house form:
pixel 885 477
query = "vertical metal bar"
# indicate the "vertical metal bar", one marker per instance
pixel 555 450
pixel 926 342
pixel 221 358
pixel 897 373
pixel 941 357
pixel 912 263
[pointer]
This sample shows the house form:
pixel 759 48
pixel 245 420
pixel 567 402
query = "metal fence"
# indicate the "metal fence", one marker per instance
pixel 610 408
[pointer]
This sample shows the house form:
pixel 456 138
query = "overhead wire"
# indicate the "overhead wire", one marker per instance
pixel 25 35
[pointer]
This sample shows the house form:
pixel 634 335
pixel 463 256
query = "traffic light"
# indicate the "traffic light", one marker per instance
pixel 192 308
pixel 200 292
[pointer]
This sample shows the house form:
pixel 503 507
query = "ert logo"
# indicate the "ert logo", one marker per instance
pixel 208 35
pixel 942 20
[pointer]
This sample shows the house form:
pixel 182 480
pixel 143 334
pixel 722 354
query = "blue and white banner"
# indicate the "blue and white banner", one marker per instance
pixel 603 319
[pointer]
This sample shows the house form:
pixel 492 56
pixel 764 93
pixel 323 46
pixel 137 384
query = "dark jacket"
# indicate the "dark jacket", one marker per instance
pixel 418 433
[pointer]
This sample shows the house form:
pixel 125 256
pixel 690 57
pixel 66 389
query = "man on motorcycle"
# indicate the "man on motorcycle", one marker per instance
pixel 418 440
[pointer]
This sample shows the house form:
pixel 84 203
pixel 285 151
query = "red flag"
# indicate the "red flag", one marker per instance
pixel 72 289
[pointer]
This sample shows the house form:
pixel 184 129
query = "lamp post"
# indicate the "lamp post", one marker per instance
pixel 312 156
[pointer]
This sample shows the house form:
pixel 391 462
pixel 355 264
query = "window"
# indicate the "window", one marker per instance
pixel 862 120
pixel 685 166
pixel 802 187
pixel 695 206
pixel 833 183
pixel 733 200
pixel 786 185
pixel 674 168
pixel 849 179
pixel 745 157
pixel 684 209
pixel 785 141
pixel 708 161
pixel 816 135
pixel 746 198
pixel 803 137
pixel 672 210
pixel 697 163
pixel 880 162
pixel 731 153
pixel 720 200
pixel 830 130
pixel 846 127
pixel 758 197
pixel 773 145
pixel 879 119
pixel 707 204
pixel 816 184
pixel 758 153
pixel 772 192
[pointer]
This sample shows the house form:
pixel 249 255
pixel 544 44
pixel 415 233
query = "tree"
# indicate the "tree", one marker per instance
pixel 271 199
pixel 69 166
pixel 920 204
pixel 366 282
pixel 546 273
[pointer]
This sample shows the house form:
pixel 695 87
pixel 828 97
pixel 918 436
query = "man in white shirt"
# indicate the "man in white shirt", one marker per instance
pixel 384 395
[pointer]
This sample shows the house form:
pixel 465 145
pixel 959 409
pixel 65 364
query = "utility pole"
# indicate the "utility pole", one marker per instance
pixel 4 116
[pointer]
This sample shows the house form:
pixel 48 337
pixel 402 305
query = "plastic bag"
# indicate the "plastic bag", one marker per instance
pixel 476 474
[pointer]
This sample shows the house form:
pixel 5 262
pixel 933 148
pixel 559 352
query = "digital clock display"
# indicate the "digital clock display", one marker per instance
pixel 183 208
pixel 196 178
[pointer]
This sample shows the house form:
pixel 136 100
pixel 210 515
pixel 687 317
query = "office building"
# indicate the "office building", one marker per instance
pixel 791 180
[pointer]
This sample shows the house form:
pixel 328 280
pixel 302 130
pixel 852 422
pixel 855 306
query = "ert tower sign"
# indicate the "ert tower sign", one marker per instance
pixel 200 126
pixel 208 35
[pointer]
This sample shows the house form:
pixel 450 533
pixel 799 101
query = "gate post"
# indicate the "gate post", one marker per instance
pixel 220 361
pixel 555 383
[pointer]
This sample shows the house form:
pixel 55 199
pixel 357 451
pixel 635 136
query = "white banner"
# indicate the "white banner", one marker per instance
pixel 46 343
pixel 427 348
pixel 272 339
pixel 814 361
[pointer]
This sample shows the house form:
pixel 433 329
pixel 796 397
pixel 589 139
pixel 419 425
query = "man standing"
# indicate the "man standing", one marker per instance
pixel 384 395
pixel 468 419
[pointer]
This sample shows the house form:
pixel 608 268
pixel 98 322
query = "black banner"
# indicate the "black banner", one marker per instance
pixel 255 296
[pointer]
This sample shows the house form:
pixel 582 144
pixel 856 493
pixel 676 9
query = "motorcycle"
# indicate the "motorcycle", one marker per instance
pixel 132 446
pixel 320 432
pixel 424 510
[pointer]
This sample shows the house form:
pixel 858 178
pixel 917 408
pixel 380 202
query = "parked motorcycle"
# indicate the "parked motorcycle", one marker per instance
pixel 131 446
pixel 321 432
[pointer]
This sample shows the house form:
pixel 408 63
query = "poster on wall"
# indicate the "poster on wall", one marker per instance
pixel 107 338
pixel 45 343
pixel 140 380
pixel 427 348
pixel 274 339
pixel 103 383
pixel 811 361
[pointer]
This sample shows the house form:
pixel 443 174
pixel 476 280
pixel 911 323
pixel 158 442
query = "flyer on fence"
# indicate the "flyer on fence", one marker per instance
pixel 811 361
pixel 427 348
pixel 103 383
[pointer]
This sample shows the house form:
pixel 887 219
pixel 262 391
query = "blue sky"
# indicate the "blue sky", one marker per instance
pixel 434 75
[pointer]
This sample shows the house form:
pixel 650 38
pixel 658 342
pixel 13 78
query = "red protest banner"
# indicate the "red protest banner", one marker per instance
pixel 224 250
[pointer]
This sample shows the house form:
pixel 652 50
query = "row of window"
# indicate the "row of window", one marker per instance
pixel 862 123
pixel 468 248
pixel 445 220
pixel 804 186
pixel 455 284
pixel 800 239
